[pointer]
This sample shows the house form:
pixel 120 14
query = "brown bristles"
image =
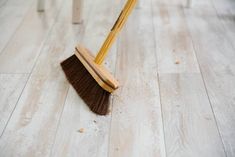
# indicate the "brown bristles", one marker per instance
pixel 89 90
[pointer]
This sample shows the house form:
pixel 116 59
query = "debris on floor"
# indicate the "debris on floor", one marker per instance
pixel 81 130
pixel 177 62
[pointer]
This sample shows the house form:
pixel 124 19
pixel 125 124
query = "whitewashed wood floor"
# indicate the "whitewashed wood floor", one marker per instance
pixel 162 109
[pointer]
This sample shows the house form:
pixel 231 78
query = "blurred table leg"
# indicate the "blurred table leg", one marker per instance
pixel 41 5
pixel 77 11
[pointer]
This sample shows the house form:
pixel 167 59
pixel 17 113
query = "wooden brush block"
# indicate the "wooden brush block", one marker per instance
pixel 98 72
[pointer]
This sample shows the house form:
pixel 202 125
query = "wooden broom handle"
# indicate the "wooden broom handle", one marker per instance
pixel 114 31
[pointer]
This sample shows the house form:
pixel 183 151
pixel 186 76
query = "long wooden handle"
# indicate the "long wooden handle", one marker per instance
pixel 114 31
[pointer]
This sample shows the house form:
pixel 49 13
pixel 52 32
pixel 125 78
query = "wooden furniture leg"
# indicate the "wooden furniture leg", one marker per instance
pixel 189 3
pixel 41 5
pixel 77 11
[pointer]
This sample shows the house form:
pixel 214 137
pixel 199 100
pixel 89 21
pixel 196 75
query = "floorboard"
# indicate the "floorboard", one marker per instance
pixel 190 127
pixel 136 126
pixel 226 13
pixel 216 56
pixel 34 122
pixel 11 87
pixel 175 52
pixel 174 59
pixel 93 141
pixel 25 45
pixel 11 16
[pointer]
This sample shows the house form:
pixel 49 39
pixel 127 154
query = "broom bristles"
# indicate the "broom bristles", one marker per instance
pixel 96 98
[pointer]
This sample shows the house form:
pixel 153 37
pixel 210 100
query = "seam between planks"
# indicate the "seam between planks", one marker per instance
pixel 47 36
pixel 17 28
pixel 113 96
pixel 14 107
pixel 221 22
pixel 158 79
pixel 58 123
pixel 81 32
pixel 30 74
pixel 205 87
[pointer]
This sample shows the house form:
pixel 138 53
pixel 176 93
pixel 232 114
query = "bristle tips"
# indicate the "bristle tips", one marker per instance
pixel 85 85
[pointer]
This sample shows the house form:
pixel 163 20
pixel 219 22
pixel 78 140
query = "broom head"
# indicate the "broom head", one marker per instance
pixel 92 82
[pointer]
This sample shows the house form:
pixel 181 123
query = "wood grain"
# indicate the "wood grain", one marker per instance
pixel 171 2
pixel 226 12
pixel 175 64
pixel 11 87
pixel 93 141
pixel 33 125
pixel 25 46
pixel 216 56
pixel 173 44
pixel 190 127
pixel 215 51
pixel 136 126
pixel 11 16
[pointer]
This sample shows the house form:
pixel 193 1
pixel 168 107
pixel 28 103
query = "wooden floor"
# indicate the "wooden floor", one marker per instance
pixel 175 61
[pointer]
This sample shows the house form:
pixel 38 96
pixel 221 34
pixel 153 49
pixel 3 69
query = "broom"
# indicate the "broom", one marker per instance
pixel 89 78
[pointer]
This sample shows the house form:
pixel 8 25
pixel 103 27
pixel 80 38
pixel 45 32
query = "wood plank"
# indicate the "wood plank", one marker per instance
pixel 11 87
pixel 33 125
pixel 185 105
pixel 174 48
pixel 11 16
pixel 171 2
pixel 93 142
pixel 200 4
pixel 226 13
pixel 216 57
pixel 215 52
pixel 189 124
pixel 136 126
pixel 24 47
pixel 77 11
pixel 221 92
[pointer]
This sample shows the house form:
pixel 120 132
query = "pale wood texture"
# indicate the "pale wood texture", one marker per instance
pixel 174 46
pixel 214 47
pixel 136 126
pixel 11 87
pixel 11 16
pixel 31 129
pixel 25 45
pixel 77 11
pixel 94 141
pixel 190 127
pixel 176 67
pixel 226 13
pixel 171 2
